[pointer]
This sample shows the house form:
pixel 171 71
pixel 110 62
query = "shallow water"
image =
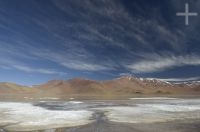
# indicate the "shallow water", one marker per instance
pixel 42 115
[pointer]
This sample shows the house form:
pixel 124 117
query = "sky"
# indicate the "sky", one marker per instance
pixel 42 40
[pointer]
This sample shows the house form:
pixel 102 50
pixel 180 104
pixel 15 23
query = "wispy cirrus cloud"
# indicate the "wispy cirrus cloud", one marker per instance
pixel 91 32
pixel 160 63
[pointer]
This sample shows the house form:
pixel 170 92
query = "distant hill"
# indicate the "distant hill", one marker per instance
pixel 11 88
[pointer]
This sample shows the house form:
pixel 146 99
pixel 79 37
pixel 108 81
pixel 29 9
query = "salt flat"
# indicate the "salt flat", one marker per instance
pixel 19 116
pixel 26 117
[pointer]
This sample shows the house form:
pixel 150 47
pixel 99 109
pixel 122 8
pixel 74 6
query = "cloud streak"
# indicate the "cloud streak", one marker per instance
pixel 179 79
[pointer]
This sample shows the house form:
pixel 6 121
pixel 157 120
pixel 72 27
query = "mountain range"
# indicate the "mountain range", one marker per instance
pixel 126 85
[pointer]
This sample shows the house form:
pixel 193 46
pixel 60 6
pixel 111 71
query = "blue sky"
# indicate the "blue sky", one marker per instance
pixel 41 40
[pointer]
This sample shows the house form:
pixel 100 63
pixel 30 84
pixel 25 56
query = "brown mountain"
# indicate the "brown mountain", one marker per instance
pixel 72 86
pixel 120 86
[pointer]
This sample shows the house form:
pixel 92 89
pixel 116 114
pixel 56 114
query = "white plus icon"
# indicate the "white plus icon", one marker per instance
pixel 186 14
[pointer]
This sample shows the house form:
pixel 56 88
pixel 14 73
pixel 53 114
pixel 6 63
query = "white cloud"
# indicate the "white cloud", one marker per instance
pixel 160 63
pixel 77 65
